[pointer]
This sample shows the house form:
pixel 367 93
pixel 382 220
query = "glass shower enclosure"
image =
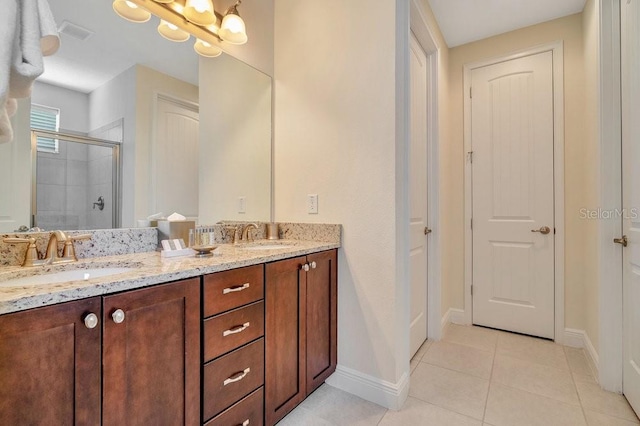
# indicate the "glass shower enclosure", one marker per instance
pixel 76 182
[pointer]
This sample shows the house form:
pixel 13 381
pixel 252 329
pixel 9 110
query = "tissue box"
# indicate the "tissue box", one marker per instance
pixel 175 229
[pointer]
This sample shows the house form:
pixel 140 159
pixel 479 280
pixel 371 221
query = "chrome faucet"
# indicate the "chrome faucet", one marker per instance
pixel 245 232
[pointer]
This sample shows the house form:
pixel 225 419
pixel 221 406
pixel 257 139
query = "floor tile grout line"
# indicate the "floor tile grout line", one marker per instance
pixel 445 408
pixel 493 364
pixel 454 370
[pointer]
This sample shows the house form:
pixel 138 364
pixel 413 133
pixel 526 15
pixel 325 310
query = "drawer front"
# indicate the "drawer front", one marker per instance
pixel 246 412
pixel 231 377
pixel 226 332
pixel 231 289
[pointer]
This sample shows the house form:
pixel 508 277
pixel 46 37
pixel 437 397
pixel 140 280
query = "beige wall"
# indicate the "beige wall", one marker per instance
pixel 335 136
pixel 580 191
pixel 591 129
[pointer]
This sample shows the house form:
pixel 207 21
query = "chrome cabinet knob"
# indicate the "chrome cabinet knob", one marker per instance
pixel 305 267
pixel 91 320
pixel 313 265
pixel 118 316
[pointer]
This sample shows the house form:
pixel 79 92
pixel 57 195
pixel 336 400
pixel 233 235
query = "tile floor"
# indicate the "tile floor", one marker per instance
pixel 482 377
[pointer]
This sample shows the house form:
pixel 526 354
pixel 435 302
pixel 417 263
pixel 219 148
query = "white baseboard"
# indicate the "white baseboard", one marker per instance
pixel 453 316
pixel 580 339
pixel 384 393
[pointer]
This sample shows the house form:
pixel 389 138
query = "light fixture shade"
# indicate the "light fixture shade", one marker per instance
pixel 130 11
pixel 233 29
pixel 172 32
pixel 206 49
pixel 163 1
pixel 200 12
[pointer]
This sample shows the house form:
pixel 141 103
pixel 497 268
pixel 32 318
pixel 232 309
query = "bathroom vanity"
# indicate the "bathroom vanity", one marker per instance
pixel 237 339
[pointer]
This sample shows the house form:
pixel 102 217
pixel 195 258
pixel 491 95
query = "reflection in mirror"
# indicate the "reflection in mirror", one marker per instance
pixel 118 81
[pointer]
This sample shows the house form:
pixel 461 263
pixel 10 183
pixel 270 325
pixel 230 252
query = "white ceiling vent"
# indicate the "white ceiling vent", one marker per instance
pixel 75 31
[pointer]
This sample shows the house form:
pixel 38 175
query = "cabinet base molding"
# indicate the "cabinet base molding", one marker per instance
pixel 387 394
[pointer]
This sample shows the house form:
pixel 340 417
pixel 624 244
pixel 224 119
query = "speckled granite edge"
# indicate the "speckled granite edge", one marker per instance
pixel 147 269
pixel 104 242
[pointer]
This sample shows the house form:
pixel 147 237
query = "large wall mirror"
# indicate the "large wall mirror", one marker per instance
pixel 194 134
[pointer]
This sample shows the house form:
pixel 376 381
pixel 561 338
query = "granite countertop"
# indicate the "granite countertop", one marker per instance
pixel 147 269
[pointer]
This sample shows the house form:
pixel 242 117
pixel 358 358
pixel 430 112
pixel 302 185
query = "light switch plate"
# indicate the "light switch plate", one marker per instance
pixel 242 204
pixel 312 203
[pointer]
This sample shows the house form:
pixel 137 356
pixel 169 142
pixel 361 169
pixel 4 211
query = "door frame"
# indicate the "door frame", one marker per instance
pixel 420 28
pixel 557 50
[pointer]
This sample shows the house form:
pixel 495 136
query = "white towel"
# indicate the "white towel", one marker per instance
pixel 32 33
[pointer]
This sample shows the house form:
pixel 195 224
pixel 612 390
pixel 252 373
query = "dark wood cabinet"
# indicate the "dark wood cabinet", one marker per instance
pixel 58 369
pixel 300 331
pixel 50 366
pixel 322 318
pixel 151 360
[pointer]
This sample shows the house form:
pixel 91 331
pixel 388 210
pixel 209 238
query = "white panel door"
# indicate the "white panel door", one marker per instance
pixel 631 198
pixel 15 173
pixel 418 196
pixel 512 174
pixel 174 181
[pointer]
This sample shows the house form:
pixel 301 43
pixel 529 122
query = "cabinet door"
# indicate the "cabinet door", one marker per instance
pixel 151 372
pixel 322 329
pixel 50 366
pixel 284 335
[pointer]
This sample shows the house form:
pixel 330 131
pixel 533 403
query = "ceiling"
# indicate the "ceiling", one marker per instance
pixel 115 46
pixel 464 21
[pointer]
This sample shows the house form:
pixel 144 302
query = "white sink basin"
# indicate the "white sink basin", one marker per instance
pixel 59 277
pixel 268 247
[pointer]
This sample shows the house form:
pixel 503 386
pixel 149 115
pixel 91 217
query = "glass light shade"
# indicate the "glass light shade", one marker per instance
pixel 200 12
pixel 172 32
pixel 206 49
pixel 130 11
pixel 233 29
pixel 163 1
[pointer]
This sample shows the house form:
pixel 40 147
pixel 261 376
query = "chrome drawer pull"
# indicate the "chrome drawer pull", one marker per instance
pixel 245 423
pixel 236 329
pixel 236 288
pixel 236 377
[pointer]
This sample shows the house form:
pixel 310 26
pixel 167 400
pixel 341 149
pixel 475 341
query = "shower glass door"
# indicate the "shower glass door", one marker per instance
pixel 76 182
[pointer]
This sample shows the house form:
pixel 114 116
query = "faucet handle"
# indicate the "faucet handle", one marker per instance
pixel 69 251
pixel 31 256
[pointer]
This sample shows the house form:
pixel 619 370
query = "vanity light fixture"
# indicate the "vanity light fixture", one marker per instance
pixel 233 29
pixel 206 49
pixel 172 32
pixel 130 11
pixel 199 12
pixel 179 19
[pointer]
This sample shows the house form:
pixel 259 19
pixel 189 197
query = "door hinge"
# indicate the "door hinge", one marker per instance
pixel 472 224
pixel 472 290
pixel 470 93
pixel 470 156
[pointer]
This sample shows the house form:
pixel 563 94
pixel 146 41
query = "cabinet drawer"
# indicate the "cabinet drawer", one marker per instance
pixel 231 289
pixel 246 412
pixel 228 331
pixel 231 377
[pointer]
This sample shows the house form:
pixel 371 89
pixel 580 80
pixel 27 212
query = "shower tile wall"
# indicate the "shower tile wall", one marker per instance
pixel 62 188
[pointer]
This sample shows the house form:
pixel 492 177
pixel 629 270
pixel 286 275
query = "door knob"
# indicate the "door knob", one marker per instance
pixel 427 230
pixel 544 230
pixel 313 265
pixel 118 316
pixel 624 241
pixel 305 267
